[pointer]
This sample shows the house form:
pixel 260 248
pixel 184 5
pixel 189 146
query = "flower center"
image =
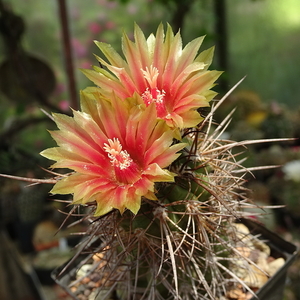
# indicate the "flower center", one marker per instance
pixel 152 94
pixel 119 158
pixel 155 95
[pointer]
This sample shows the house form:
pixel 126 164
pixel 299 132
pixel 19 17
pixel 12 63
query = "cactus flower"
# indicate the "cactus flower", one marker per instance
pixel 176 80
pixel 117 152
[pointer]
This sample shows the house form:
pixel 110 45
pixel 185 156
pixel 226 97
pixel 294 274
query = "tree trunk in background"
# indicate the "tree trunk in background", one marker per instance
pixel 182 8
pixel 63 15
pixel 221 41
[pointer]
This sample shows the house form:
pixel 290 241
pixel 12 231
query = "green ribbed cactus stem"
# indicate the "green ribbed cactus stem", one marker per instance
pixel 171 239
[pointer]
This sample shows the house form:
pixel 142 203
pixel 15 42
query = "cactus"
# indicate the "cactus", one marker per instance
pixel 182 245
pixel 161 187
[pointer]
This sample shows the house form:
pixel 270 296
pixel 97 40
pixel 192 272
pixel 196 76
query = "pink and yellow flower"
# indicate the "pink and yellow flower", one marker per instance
pixel 117 151
pixel 161 72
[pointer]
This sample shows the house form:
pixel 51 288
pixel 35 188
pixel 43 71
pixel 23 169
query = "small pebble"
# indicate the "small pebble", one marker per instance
pixel 87 292
pixel 275 265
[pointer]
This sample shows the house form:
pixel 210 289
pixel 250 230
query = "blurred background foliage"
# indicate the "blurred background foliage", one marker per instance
pixel 257 39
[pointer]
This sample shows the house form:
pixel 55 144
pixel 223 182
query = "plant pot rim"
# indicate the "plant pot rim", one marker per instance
pixel 274 287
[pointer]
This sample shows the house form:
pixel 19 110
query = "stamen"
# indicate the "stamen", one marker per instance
pixel 152 94
pixel 119 158
pixel 155 95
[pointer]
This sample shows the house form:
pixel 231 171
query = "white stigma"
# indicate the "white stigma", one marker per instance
pixel 151 75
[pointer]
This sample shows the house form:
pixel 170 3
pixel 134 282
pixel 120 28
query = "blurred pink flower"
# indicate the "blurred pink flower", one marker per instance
pixel 95 27
pixel 86 64
pixel 64 105
pixel 79 49
pixel 60 88
pixel 111 4
pixel 110 25
pixel 132 9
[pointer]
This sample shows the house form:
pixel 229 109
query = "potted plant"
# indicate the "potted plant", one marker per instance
pixel 82 278
pixel 160 185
